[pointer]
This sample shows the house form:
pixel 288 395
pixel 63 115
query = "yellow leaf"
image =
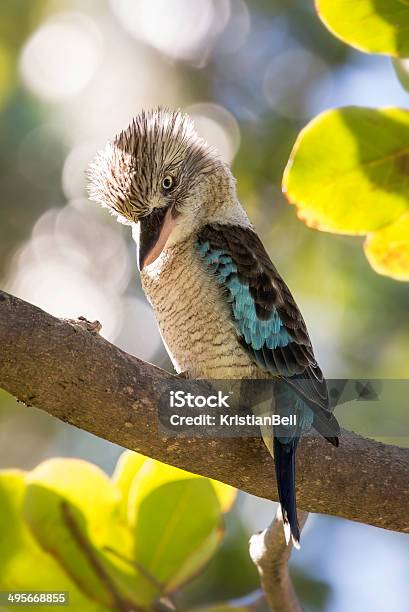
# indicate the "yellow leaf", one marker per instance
pixel 388 249
pixel 348 170
pixel 81 483
pixel 127 467
pixel 374 26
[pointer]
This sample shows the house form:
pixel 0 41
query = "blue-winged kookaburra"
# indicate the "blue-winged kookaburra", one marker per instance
pixel 223 310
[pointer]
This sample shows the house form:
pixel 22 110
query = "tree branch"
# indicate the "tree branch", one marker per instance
pixel 80 378
pixel 270 553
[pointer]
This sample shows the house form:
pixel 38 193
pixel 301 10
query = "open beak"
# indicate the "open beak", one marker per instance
pixel 155 230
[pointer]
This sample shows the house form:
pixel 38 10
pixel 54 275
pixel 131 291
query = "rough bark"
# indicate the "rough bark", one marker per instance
pixel 77 376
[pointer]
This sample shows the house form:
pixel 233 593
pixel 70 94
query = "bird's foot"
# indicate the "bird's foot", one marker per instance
pixel 184 375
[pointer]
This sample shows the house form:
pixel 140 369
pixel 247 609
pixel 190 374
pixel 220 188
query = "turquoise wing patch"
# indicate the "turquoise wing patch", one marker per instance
pixel 257 333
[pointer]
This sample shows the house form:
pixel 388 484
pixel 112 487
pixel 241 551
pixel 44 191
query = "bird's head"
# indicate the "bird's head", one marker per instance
pixel 155 174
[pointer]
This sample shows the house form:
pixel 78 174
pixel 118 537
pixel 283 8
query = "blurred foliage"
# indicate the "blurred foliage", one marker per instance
pixel 374 26
pixel 359 158
pixel 17 20
pixel 18 116
pixel 137 538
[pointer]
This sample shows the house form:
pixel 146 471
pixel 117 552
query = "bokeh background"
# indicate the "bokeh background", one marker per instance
pixel 72 74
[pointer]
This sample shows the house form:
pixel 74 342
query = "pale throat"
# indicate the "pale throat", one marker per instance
pixel 153 270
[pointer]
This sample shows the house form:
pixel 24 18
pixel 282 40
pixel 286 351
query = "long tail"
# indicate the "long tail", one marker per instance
pixel 284 458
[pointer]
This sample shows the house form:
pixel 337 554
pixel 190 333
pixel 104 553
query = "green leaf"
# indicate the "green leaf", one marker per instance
pixel 373 26
pixel 18 550
pixel 81 483
pixel 24 565
pixel 402 71
pixel 70 522
pixel 72 508
pixel 225 494
pixel 127 467
pixel 388 249
pixel 195 561
pixel 133 469
pixel 176 519
pixel 348 170
pixel 132 465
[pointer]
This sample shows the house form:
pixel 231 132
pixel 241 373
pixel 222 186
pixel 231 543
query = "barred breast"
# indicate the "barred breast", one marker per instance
pixel 194 317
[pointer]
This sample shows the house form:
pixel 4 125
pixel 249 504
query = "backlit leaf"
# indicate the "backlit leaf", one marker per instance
pixel 127 467
pixel 72 508
pixel 388 249
pixel 176 519
pixel 349 170
pixel 374 26
pixel 24 565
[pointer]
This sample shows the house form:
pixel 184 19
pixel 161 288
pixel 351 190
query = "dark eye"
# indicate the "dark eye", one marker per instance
pixel 167 182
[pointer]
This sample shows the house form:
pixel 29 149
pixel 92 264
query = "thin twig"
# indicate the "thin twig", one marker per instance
pixel 270 554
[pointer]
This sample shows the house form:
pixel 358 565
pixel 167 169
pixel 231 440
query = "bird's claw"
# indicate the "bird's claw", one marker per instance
pixel 184 375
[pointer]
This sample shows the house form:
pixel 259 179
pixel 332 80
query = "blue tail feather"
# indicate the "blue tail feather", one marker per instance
pixel 284 458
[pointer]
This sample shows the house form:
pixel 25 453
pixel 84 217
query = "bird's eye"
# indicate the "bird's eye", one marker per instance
pixel 167 182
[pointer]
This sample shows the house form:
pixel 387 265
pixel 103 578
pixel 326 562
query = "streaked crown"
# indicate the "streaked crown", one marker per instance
pixel 129 175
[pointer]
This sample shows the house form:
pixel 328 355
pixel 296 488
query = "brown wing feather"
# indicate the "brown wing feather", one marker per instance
pixel 269 292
